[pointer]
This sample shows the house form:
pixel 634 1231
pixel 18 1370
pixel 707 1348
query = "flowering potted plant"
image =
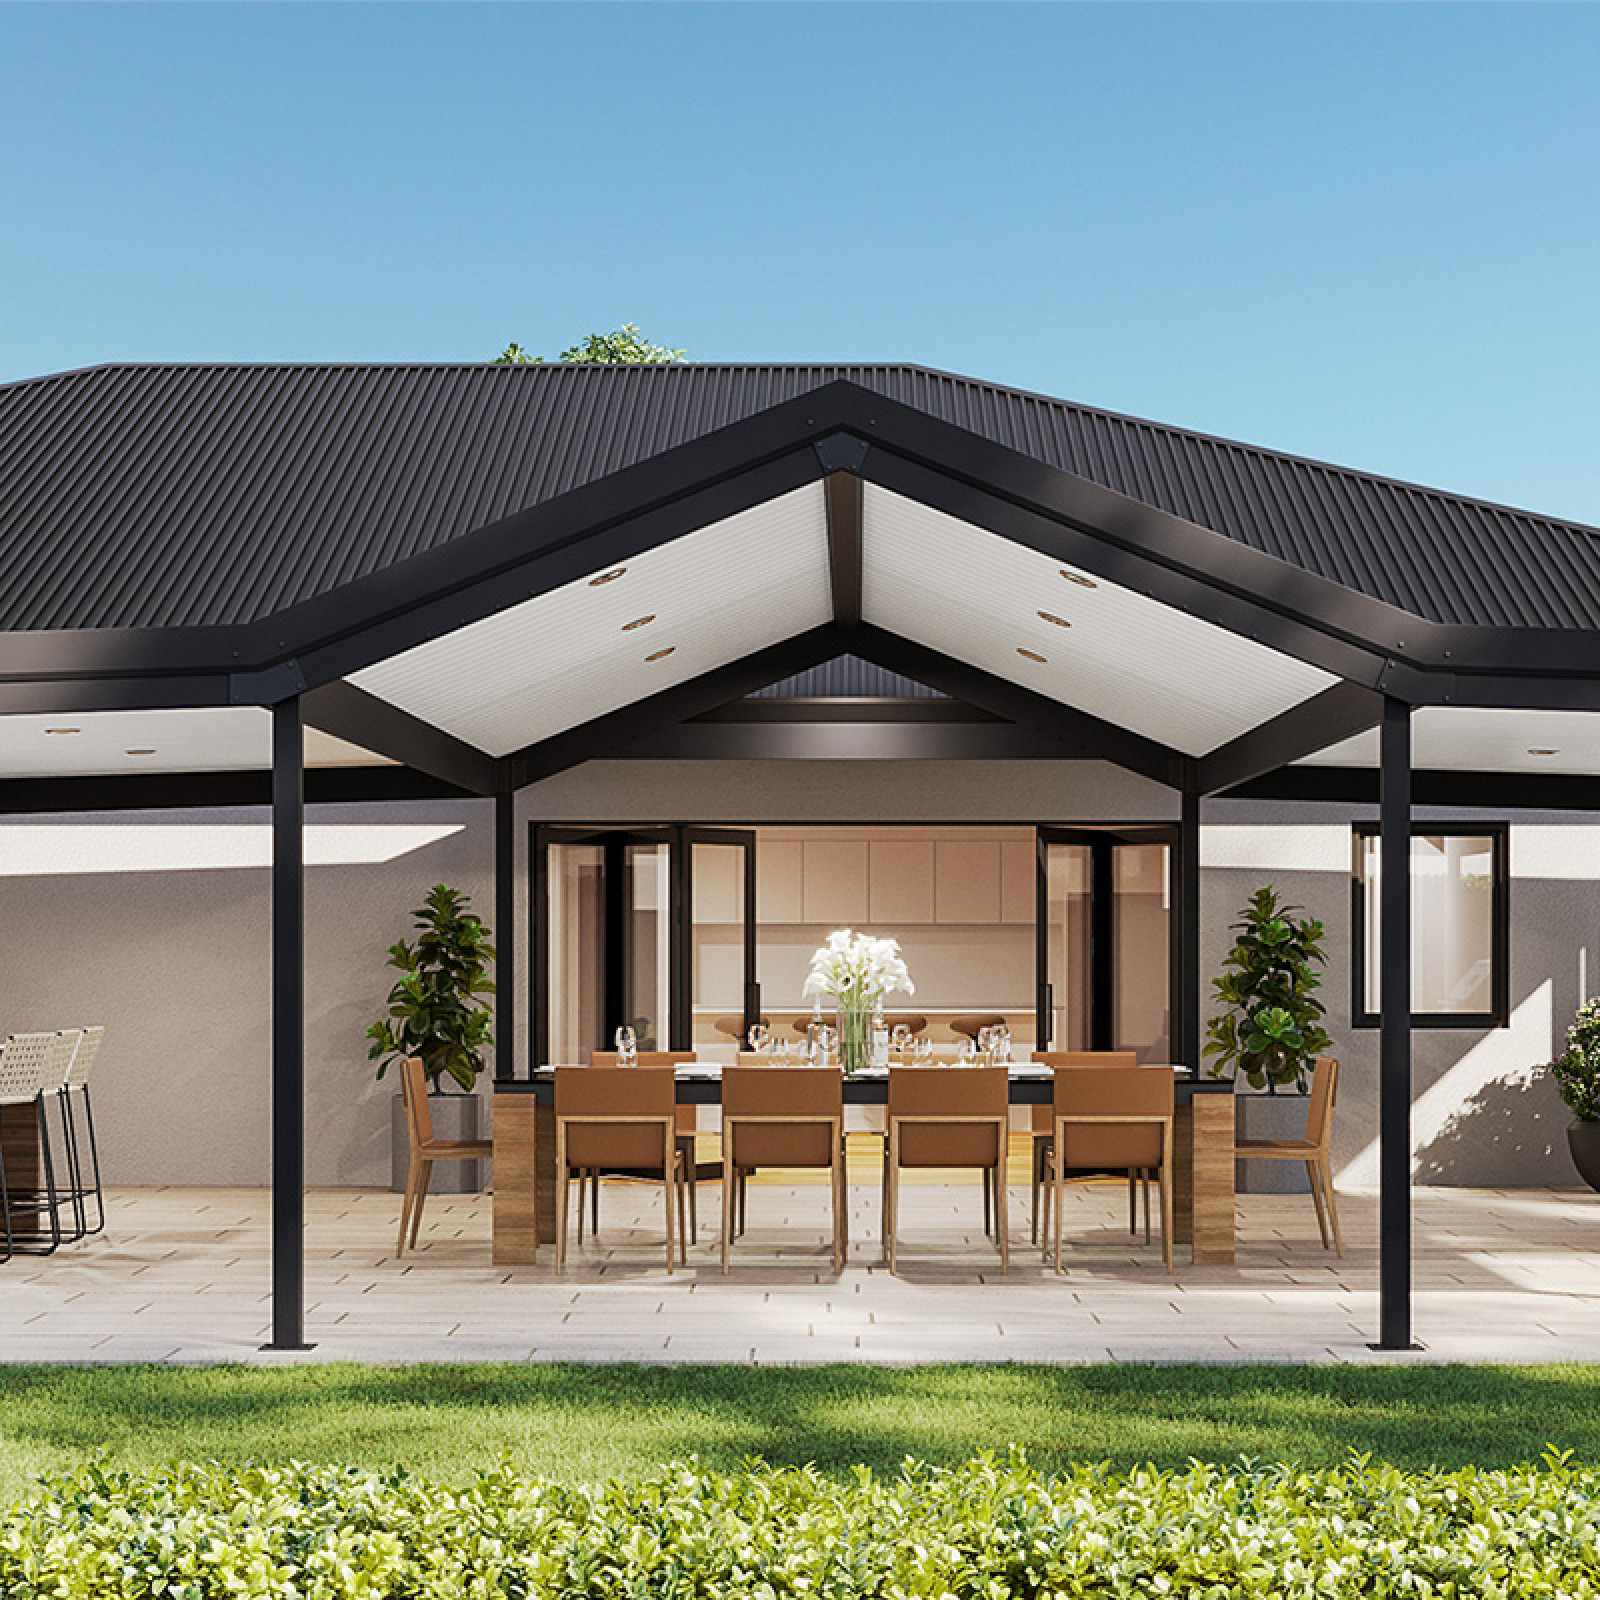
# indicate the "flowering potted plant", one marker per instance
pixel 1577 1075
pixel 857 971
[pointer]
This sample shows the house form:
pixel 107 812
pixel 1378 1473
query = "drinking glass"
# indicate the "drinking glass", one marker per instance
pixel 827 1042
pixel 922 1052
pixel 900 1037
pixel 627 1047
pixel 758 1039
pixel 967 1052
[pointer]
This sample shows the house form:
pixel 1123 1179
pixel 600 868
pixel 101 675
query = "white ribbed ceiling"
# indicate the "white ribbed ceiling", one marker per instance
pixel 567 657
pixel 1483 739
pixel 206 739
pixel 1124 657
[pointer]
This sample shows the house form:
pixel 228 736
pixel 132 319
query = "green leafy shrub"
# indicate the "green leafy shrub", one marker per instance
pixel 1271 1030
pixel 1577 1068
pixel 992 1529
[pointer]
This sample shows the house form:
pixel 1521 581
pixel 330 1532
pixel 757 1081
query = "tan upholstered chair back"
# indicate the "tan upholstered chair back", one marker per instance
pixel 959 1094
pixel 1324 1096
pixel 814 1096
pixel 1111 1092
pixel 648 1093
pixel 1044 1116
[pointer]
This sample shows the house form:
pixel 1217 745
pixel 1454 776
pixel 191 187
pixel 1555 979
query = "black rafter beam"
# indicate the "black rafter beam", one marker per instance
pixel 363 719
pixel 847 708
pixel 1498 791
pixel 610 735
pixel 842 497
pixel 1085 737
pixel 847 741
pixel 1337 713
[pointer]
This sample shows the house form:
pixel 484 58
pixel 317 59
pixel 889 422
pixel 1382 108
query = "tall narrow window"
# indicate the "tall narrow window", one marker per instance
pixel 1459 905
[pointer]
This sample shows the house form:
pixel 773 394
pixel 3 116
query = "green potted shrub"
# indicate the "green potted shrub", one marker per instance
pixel 436 1011
pixel 1269 1031
pixel 1577 1075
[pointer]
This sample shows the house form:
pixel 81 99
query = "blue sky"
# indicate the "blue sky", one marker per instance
pixel 1367 232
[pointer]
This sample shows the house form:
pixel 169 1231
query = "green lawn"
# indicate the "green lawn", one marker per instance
pixel 580 1423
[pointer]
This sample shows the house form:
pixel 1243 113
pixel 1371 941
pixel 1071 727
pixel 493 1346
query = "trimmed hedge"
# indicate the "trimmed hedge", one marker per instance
pixel 990 1528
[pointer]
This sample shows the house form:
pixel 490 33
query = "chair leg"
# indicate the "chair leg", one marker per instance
pixel 1326 1168
pixel 1166 1215
pixel 50 1200
pixel 1034 1185
pixel 1314 1178
pixel 744 1198
pixel 1133 1201
pixel 405 1206
pixel 883 1207
pixel 563 1198
pixel 841 1210
pixel 728 1181
pixel 5 1209
pixel 669 1196
pixel 988 1206
pixel 422 1195
pixel 1145 1176
pixel 891 1207
pixel 1000 1224
pixel 1047 1185
pixel 583 1173
pixel 683 1189
pixel 76 1190
pixel 94 1164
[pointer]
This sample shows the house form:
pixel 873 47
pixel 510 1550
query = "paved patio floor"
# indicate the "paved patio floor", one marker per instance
pixel 183 1275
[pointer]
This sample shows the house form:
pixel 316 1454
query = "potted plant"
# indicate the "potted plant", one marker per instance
pixel 1270 1032
pixel 1577 1075
pixel 436 1011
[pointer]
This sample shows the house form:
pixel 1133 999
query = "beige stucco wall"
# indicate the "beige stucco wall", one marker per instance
pixel 175 961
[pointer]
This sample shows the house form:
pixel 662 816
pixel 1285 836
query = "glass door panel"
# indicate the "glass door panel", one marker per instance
pixel 645 1002
pixel 573 949
pixel 1105 940
pixel 723 996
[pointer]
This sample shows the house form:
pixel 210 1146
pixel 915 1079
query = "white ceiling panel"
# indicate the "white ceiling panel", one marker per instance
pixel 103 743
pixel 1483 739
pixel 564 658
pixel 1123 657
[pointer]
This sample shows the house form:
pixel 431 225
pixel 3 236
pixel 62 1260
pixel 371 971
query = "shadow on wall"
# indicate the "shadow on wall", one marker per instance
pixel 1497 1134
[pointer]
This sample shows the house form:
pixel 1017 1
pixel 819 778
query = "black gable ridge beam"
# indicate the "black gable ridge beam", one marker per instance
pixel 1337 713
pixel 848 741
pixel 1086 737
pixel 609 736
pixel 847 708
pixel 842 497
pixel 363 719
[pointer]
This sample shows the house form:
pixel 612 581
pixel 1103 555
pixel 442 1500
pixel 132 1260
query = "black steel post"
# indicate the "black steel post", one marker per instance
pixel 1188 1000
pixel 1394 1021
pixel 288 1029
pixel 505 923
pixel 1103 946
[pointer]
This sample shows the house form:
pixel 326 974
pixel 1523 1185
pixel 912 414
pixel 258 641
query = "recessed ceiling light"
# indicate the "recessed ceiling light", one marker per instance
pixel 638 622
pixel 1032 655
pixel 1050 616
pixel 63 730
pixel 658 654
pixel 1538 750
pixel 1079 579
pixel 606 577
pixel 138 752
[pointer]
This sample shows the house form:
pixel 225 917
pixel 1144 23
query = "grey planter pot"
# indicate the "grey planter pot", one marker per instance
pixel 1583 1139
pixel 1271 1116
pixel 455 1116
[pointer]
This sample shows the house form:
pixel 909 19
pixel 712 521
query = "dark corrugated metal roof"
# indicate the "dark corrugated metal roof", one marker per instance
pixel 168 496
pixel 849 677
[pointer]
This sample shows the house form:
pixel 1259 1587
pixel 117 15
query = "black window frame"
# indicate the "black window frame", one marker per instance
pixel 1499 1013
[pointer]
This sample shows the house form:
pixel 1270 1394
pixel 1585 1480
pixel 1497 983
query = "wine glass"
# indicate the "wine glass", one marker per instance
pixel 759 1040
pixel 922 1052
pixel 967 1051
pixel 627 1047
pixel 985 1043
pixel 1002 1044
pixel 900 1037
pixel 827 1041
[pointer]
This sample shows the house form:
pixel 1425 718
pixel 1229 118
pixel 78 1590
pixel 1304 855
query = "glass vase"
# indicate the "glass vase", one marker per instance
pixel 855 1038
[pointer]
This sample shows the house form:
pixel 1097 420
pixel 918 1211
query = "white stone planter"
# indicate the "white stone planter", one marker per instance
pixel 1270 1116
pixel 455 1116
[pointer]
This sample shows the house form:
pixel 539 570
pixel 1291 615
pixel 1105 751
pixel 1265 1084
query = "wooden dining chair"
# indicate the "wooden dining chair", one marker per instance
pixel 688 1126
pixel 1314 1149
pixel 625 1117
pixel 425 1149
pixel 947 1117
pixel 1116 1118
pixel 783 1117
pixel 1044 1131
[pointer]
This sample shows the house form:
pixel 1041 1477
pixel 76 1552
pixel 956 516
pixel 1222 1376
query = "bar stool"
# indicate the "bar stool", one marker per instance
pixel 25 1060
pixel 77 1079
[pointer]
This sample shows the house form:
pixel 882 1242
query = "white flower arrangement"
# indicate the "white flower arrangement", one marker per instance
pixel 857 970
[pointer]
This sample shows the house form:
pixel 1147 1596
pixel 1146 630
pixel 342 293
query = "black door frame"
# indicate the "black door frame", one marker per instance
pixel 679 839
pixel 1102 844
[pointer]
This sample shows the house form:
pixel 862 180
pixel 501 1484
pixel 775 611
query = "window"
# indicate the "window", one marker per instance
pixel 1459 905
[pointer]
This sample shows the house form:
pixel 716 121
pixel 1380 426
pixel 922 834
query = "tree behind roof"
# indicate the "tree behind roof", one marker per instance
pixel 626 345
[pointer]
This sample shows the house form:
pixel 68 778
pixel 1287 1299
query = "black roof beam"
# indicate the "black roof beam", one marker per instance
pixel 842 497
pixel 847 741
pixel 1499 791
pixel 1337 713
pixel 362 719
pixel 1084 737
pixel 609 736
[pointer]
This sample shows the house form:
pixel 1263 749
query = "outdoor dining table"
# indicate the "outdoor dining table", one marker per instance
pixel 525 1170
